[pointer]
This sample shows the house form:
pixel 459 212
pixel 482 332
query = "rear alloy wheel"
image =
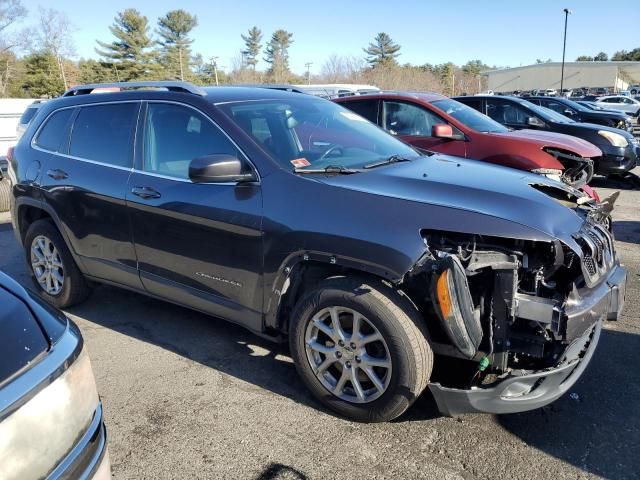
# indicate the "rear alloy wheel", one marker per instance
pixel 54 272
pixel 361 348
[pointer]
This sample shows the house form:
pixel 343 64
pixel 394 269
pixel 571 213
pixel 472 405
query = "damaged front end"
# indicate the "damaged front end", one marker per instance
pixel 518 320
pixel 578 171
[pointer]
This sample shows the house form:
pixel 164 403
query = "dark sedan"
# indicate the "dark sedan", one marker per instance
pixel 620 149
pixel 50 414
pixel 580 113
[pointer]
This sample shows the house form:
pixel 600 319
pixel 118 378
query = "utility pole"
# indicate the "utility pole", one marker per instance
pixel 308 65
pixel 567 12
pixel 214 64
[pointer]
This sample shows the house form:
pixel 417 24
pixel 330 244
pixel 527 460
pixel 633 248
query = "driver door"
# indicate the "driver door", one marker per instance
pixel 197 244
pixel 511 114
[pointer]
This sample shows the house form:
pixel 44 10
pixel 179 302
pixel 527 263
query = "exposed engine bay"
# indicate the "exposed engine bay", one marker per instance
pixel 501 302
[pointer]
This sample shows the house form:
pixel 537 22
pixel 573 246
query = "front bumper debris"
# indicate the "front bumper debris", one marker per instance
pixel 523 390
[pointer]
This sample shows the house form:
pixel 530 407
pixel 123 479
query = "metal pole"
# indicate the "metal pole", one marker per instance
pixel 308 64
pixel 564 47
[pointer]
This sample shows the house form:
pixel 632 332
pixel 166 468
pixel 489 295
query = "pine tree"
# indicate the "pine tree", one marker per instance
pixel 277 55
pixel 41 78
pixel 174 29
pixel 253 44
pixel 382 51
pixel 130 53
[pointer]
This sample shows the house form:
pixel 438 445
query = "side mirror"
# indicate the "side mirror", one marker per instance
pixel 442 130
pixel 568 112
pixel 535 122
pixel 219 168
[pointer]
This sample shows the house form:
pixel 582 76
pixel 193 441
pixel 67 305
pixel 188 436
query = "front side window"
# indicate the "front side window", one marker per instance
pixel 558 107
pixel 174 135
pixel 469 116
pixel 401 118
pixel 54 130
pixel 104 133
pixel 314 133
pixel 507 113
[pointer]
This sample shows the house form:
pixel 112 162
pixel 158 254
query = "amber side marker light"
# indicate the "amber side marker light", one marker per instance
pixel 454 306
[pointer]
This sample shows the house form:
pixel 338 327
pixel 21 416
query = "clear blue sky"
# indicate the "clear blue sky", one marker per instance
pixel 501 32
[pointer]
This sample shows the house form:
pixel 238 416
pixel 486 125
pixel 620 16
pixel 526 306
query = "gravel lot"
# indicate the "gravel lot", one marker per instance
pixel 189 396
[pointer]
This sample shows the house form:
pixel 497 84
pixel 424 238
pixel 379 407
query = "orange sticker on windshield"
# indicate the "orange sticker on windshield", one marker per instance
pixel 300 162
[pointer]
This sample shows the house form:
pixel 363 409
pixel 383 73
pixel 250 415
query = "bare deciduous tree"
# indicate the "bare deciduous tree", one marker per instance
pixel 53 36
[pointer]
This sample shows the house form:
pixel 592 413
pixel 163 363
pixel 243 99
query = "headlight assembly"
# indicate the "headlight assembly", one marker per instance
pixel 614 139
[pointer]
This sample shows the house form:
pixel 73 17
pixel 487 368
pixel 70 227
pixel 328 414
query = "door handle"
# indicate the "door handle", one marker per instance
pixel 57 174
pixel 145 192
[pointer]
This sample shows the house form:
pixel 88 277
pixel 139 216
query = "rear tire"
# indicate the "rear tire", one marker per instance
pixel 52 267
pixel 5 191
pixel 401 360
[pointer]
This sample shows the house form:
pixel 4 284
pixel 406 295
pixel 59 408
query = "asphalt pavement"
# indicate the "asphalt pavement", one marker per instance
pixel 190 396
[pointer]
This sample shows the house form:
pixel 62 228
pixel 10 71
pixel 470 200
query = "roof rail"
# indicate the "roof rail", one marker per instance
pixel 172 86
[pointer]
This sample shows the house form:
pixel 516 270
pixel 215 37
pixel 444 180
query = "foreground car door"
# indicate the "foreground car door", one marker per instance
pixel 199 245
pixel 85 182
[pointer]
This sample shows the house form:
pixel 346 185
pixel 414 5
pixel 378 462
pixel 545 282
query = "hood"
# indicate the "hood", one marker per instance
pixel 470 186
pixel 557 140
pixel 594 128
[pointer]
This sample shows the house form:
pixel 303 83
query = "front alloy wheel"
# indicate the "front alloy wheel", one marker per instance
pixel 348 354
pixel 360 347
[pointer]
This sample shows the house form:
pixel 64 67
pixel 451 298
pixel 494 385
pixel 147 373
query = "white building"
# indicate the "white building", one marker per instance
pixel 619 75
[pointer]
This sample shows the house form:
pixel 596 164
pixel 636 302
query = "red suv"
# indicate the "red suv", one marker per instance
pixel 437 123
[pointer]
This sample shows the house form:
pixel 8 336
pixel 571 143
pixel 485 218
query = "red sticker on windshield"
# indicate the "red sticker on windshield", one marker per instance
pixel 300 162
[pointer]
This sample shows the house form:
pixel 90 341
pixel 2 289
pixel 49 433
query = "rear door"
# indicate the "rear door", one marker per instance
pixel 413 123
pixel 197 244
pixel 85 182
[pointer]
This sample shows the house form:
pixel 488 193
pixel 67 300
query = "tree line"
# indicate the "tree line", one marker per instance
pixel 40 60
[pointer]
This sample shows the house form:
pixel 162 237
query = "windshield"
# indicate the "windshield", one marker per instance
pixel 575 105
pixel 469 116
pixel 309 133
pixel 547 114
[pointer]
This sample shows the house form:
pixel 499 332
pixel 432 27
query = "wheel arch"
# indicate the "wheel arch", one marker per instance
pixel 28 211
pixel 301 272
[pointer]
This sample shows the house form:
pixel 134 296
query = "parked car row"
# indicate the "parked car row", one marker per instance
pixel 380 263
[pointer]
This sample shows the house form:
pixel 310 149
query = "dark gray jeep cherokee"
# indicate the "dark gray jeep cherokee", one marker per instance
pixel 388 271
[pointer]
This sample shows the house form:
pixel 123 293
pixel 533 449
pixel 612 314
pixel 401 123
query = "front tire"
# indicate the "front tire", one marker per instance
pixel 361 348
pixel 51 265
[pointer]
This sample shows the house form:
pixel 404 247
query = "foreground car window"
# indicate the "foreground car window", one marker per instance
pixel 53 132
pixel 175 135
pixel 469 116
pixel 314 133
pixel 103 133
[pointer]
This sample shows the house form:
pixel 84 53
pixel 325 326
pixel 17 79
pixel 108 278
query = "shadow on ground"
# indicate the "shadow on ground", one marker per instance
pixel 627 231
pixel 599 430
pixel 630 181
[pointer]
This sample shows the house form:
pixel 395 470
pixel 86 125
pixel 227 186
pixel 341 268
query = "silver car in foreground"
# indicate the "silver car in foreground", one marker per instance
pixel 51 424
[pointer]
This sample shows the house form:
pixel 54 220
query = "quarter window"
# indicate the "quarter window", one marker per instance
pixel 104 133
pixel 175 135
pixel 54 130
pixel 405 119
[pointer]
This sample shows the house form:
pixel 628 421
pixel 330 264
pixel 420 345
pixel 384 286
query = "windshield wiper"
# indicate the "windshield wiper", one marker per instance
pixel 391 159
pixel 335 169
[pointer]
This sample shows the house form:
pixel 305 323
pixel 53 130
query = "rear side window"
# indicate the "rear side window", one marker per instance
pixel 365 108
pixel 104 133
pixel 28 114
pixel 54 130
